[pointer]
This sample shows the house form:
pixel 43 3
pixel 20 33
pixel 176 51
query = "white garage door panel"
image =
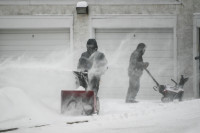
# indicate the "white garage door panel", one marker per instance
pixel 146 82
pixel 160 64
pixel 161 33
pixel 33 42
pixel 11 54
pixel 118 44
pixel 164 71
pixel 155 70
pixel 152 44
pixel 153 53
pixel 27 36
pixel 160 61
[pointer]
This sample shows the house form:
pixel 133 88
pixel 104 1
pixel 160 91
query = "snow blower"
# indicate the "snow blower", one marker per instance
pixel 79 102
pixel 170 93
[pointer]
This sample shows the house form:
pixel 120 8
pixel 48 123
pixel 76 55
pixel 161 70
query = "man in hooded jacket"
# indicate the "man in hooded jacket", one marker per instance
pixel 135 71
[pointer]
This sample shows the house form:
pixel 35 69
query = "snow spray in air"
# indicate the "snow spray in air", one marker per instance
pixel 30 86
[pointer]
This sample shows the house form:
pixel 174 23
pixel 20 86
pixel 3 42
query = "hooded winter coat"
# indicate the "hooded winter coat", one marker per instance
pixel 135 71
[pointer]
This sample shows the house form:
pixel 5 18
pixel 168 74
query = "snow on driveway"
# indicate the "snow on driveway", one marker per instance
pixel 118 117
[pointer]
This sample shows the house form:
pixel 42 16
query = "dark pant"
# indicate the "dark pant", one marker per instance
pixel 134 85
pixel 94 83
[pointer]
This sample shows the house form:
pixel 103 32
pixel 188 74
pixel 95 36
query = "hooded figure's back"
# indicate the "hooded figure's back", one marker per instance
pixel 136 64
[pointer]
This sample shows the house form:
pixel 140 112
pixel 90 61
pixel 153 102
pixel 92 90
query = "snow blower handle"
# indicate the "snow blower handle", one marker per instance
pixel 174 82
pixel 152 78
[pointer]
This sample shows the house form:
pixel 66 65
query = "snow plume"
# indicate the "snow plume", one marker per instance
pixel 99 64
pixel 32 87
pixel 114 82
pixel 120 50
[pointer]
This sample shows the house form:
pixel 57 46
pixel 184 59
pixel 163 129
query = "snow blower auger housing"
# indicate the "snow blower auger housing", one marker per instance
pixel 170 93
pixel 79 102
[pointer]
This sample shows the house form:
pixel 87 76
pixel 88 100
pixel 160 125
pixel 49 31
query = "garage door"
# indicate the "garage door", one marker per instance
pixel 118 44
pixel 32 42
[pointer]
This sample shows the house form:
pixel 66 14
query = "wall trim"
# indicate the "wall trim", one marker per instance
pixel 196 26
pixel 136 21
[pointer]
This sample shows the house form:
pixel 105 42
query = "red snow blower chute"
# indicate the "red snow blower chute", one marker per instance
pixel 170 92
pixel 79 102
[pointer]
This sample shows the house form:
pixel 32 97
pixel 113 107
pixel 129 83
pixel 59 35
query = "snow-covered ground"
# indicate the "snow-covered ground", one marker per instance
pixel 30 96
pixel 115 117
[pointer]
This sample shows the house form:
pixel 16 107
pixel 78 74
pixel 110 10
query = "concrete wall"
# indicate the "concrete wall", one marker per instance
pixel 185 42
pixel 183 11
